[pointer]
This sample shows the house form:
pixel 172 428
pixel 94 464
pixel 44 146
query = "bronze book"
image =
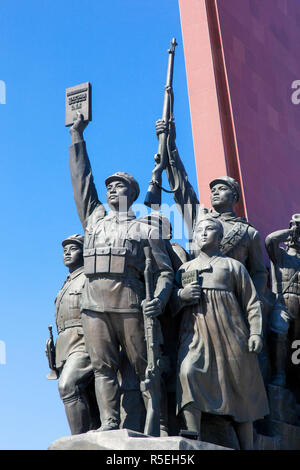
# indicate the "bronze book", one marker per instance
pixel 78 100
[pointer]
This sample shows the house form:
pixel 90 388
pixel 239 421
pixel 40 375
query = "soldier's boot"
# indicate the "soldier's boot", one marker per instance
pixel 173 422
pixel 90 397
pixel 163 426
pixel 77 412
pixel 278 354
pixel 164 422
pixel 133 411
pixel 108 399
pixel 146 398
pixel 192 419
pixel 244 433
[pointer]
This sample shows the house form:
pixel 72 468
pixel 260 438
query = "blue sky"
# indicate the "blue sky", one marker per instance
pixel 120 46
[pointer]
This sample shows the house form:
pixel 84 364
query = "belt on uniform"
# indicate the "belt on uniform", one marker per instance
pixel 70 324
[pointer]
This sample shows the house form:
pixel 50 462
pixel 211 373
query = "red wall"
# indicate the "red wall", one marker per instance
pixel 260 43
pixel 205 116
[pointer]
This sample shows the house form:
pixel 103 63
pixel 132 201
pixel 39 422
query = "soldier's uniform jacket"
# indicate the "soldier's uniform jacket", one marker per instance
pixel 285 270
pixel 114 259
pixel 287 273
pixel 241 241
pixel 68 317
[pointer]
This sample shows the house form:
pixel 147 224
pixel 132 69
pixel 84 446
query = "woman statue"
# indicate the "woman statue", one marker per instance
pixel 220 337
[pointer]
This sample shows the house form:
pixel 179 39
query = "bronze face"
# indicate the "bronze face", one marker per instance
pixel 208 234
pixel 118 194
pixel 72 256
pixel 222 197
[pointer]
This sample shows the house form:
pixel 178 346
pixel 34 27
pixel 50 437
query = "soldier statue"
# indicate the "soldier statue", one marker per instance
pixel 76 377
pixel 220 335
pixel 114 263
pixel 285 317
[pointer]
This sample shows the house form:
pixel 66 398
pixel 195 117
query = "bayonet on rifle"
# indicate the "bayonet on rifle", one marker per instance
pixel 153 196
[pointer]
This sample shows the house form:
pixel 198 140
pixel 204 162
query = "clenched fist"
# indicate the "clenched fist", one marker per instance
pixel 77 129
pixel 191 293
pixel 255 344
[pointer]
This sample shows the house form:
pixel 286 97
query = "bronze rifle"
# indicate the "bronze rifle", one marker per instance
pixel 153 196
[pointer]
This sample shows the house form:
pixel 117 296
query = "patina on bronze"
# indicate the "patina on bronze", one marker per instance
pixel 78 99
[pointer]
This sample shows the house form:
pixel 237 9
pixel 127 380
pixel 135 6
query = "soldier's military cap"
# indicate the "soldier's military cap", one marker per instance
pixel 231 182
pixel 295 219
pixel 123 176
pixel 76 238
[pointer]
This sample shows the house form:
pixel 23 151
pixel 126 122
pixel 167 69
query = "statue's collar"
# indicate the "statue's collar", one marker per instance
pixel 228 216
pixel 75 273
pixel 120 216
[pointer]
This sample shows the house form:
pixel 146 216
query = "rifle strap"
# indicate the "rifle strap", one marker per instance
pixel 291 281
pixel 169 151
pixel 175 173
pixel 233 238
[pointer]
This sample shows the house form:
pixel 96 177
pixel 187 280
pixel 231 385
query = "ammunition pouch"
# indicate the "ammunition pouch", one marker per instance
pixel 105 260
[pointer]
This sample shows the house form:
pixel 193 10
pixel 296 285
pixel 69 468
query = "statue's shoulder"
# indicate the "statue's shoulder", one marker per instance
pixel 246 225
pixel 234 268
pixel 98 214
pixel 99 211
pixel 233 263
pixel 148 225
pixel 180 252
pixel 252 232
pixel 192 264
pixel 287 260
pixel 141 225
pixel 80 279
pixel 176 253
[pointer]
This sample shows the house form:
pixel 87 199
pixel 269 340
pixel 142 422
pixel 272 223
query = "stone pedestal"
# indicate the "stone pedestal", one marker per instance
pixel 124 439
pixel 279 430
pixel 276 435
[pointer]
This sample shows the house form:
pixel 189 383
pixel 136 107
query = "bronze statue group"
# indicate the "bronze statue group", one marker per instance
pixel 197 334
